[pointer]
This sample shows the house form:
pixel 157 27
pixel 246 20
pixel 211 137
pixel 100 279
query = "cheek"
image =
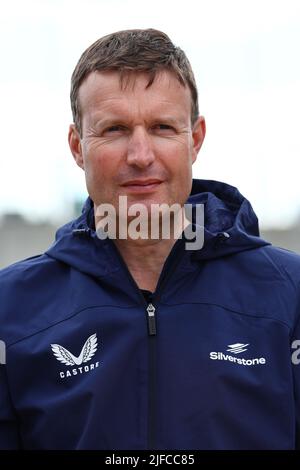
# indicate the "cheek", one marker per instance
pixel 179 162
pixel 176 147
pixel 102 162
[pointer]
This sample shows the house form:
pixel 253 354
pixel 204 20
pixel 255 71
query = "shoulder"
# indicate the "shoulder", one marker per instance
pixel 20 266
pixel 28 273
pixel 281 271
pixel 286 261
pixel 266 280
pixel 25 287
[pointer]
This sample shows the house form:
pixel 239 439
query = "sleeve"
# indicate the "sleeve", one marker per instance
pixel 295 356
pixel 9 434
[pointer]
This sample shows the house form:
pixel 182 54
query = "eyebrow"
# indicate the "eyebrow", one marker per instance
pixel 121 119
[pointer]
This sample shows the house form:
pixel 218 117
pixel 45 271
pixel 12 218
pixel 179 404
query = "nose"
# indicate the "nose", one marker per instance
pixel 140 152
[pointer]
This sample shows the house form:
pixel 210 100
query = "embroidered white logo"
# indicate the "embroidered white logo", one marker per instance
pixel 66 357
pixel 237 348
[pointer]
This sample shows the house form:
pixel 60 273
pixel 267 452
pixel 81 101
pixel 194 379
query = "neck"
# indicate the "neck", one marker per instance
pixel 145 257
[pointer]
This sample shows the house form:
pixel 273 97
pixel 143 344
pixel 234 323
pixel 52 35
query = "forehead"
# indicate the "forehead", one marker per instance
pixel 107 92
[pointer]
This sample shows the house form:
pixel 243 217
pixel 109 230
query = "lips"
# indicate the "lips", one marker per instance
pixel 142 182
pixel 142 186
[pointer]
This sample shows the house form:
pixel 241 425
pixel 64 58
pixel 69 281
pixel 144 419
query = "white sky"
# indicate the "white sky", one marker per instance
pixel 246 58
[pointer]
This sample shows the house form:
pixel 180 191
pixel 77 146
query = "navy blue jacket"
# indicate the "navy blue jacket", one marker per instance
pixel 204 363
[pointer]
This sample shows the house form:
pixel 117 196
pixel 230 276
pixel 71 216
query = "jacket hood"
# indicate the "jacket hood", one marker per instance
pixel 230 226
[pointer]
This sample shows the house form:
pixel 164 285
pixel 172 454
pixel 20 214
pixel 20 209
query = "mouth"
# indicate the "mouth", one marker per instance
pixel 142 186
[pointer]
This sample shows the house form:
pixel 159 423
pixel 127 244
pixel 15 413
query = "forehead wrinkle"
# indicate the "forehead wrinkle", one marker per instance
pixel 118 101
pixel 125 113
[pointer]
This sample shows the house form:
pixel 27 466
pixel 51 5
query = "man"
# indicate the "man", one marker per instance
pixel 126 342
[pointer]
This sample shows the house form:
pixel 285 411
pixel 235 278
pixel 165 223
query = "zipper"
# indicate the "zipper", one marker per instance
pixel 152 384
pixel 152 332
pixel 151 316
pixel 151 319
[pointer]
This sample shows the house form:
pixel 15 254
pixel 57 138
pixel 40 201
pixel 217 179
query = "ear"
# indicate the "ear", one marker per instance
pixel 198 134
pixel 75 145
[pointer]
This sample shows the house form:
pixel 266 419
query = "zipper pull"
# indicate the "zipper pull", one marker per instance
pixel 151 319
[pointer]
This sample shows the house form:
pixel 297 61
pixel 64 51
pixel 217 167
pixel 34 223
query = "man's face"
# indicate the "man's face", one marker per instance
pixel 136 141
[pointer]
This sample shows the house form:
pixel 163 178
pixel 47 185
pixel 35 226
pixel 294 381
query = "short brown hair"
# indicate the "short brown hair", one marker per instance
pixel 133 50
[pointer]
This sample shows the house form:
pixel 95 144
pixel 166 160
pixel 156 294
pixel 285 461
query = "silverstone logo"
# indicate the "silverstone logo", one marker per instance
pixel 235 349
pixel 67 358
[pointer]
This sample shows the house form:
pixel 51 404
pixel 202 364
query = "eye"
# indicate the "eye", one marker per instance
pixel 164 129
pixel 116 129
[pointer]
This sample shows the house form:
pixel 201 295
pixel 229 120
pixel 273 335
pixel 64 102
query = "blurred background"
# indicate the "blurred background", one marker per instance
pixel 246 58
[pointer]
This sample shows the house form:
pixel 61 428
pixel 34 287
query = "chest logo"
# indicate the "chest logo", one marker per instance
pixel 237 348
pixel 68 359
